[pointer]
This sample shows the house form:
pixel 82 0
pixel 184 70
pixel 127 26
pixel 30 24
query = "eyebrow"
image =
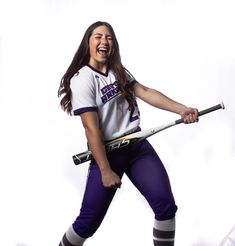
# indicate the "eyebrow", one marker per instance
pixel 97 33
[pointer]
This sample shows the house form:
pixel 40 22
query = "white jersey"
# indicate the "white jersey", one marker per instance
pixel 96 91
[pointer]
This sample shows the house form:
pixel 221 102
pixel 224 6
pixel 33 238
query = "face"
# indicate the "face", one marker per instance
pixel 100 47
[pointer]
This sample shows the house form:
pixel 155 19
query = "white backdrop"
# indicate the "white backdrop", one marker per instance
pixel 184 48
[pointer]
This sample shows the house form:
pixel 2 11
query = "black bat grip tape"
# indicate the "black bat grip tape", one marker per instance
pixel 205 111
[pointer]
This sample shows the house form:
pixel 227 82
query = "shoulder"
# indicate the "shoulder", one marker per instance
pixel 130 80
pixel 84 72
pixel 83 77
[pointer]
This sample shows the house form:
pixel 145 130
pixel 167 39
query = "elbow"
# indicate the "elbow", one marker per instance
pixel 91 125
pixel 92 132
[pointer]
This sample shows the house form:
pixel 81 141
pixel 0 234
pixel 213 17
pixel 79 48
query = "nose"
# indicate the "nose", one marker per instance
pixel 104 40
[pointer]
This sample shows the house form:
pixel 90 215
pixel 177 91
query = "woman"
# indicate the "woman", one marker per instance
pixel 103 93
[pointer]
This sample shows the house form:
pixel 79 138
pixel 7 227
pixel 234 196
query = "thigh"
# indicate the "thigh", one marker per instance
pixel 97 196
pixel 96 201
pixel 149 175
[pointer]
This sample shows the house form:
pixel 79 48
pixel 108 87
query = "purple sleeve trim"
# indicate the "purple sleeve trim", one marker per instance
pixel 131 84
pixel 83 110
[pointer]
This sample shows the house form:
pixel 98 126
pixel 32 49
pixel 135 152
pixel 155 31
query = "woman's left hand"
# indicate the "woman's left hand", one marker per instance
pixel 189 115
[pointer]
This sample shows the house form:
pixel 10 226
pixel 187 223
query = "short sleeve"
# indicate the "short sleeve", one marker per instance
pixel 130 81
pixel 83 93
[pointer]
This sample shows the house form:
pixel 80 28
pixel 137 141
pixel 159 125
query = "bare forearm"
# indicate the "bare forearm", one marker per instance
pixel 95 140
pixel 161 101
pixel 97 148
pixel 109 178
pixel 158 99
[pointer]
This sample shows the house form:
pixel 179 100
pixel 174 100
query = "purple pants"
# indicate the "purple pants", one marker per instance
pixel 144 168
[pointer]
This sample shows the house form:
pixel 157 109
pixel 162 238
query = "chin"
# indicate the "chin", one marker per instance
pixel 104 61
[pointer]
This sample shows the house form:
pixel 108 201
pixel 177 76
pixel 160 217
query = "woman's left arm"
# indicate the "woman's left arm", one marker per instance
pixel 161 101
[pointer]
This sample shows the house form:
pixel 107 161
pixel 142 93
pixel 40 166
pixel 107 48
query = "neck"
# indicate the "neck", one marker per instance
pixel 101 67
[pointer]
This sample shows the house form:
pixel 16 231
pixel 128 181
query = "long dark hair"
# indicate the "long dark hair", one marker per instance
pixel 81 58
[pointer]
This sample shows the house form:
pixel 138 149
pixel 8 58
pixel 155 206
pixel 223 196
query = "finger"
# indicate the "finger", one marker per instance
pixel 115 186
pixel 192 117
pixel 188 118
pixel 118 185
pixel 191 120
pixel 111 187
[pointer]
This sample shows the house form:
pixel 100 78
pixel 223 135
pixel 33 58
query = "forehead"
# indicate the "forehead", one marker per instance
pixel 101 30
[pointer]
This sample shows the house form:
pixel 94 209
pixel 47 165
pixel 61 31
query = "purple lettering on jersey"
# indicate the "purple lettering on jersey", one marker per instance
pixel 104 99
pixel 109 91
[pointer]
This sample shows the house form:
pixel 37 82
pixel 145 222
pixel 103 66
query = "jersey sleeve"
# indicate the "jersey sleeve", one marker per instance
pixel 83 93
pixel 131 81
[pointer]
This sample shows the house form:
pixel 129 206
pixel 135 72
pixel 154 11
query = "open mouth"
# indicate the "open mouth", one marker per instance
pixel 103 51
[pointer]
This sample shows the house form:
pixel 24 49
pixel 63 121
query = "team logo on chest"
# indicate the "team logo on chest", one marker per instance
pixel 109 91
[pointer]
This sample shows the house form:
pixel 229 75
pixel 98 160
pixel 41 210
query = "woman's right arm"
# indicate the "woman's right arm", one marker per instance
pixel 90 123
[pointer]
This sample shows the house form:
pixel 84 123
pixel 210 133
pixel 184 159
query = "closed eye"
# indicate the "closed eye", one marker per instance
pixel 99 36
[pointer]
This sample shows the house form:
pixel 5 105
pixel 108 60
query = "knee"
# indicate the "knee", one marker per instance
pixel 86 224
pixel 165 209
pixel 86 230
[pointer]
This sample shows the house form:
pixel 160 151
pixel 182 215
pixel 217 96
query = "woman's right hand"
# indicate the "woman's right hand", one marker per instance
pixel 110 179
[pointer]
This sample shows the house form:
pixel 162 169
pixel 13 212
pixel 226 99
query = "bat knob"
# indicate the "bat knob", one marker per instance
pixel 222 105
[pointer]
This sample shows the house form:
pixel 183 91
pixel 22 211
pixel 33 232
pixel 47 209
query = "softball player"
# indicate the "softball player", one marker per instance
pixel 103 93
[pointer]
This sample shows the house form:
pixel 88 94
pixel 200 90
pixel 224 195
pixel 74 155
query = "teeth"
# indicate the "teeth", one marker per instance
pixel 103 49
